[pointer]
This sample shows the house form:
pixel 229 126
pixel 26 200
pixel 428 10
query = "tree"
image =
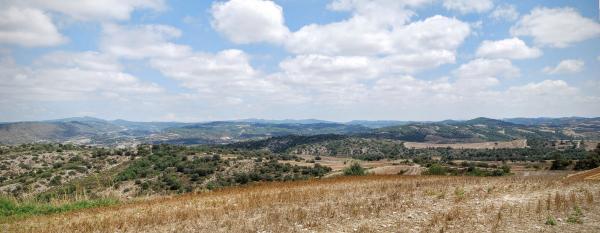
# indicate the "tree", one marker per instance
pixel 591 161
pixel 560 163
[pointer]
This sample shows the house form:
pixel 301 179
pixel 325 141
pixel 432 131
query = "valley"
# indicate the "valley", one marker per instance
pixel 479 175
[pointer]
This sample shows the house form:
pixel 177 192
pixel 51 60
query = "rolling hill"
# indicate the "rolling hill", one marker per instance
pixel 88 130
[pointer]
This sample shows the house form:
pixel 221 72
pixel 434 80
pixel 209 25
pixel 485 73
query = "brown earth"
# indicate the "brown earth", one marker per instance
pixel 352 204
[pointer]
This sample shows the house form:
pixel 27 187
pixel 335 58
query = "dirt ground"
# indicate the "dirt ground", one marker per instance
pixel 381 167
pixel 353 204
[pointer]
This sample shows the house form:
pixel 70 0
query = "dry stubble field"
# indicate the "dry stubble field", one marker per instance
pixel 352 204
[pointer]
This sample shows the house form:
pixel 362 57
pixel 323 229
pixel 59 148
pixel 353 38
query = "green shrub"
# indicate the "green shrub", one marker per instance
pixel 56 180
pixel 10 207
pixel 354 170
pixel 550 221
pixel 575 217
pixel 436 169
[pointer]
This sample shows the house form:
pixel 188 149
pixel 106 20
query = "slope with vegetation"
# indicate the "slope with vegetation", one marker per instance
pixel 86 130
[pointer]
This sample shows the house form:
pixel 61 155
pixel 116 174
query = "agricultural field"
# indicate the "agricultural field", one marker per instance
pixel 522 143
pixel 351 204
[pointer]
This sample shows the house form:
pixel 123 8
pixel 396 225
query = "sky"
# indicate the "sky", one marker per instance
pixel 340 60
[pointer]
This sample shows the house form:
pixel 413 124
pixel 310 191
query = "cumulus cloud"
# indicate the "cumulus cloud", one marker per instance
pixel 28 27
pixel 556 27
pixel 399 48
pixel 379 12
pixel 469 6
pixel 142 41
pixel 248 21
pixel 434 33
pixel 91 9
pixel 568 66
pixel 447 99
pixel 28 22
pixel 414 62
pixel 203 70
pixel 320 68
pixel 513 48
pixel 87 60
pixel 544 88
pixel 365 65
pixel 505 12
pixel 379 28
pixel 64 76
pixel 482 68
pixel 225 77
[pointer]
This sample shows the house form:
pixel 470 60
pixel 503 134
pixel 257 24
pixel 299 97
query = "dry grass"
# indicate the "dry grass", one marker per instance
pixel 350 204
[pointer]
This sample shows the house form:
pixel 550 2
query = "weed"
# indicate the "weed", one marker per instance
pixel 550 221
pixel 12 208
pixel 575 217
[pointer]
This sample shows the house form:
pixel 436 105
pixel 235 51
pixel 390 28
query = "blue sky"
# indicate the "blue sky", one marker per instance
pixel 155 60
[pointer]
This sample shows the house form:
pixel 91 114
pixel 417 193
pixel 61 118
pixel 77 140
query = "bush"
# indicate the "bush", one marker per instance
pixel 590 162
pixel 56 180
pixel 560 164
pixel 550 221
pixel 354 170
pixel 437 170
pixel 575 217
pixel 172 182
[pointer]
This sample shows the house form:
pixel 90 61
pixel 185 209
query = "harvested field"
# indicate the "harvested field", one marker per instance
pixel 352 204
pixel 379 167
pixel 593 174
pixel 476 145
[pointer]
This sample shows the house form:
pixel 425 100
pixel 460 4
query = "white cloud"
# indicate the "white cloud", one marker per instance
pixel 568 66
pixel 379 12
pixel 368 38
pixel 87 60
pixel 227 78
pixel 64 76
pixel 544 88
pixel 469 6
pixel 321 68
pixel 418 99
pixel 505 12
pixel 409 90
pixel 203 71
pixel 248 21
pixel 334 39
pixel 484 68
pixel 92 9
pixel 513 48
pixel 401 48
pixel 556 27
pixel 380 33
pixel 28 27
pixel 433 33
pixel 142 41
pixel 413 62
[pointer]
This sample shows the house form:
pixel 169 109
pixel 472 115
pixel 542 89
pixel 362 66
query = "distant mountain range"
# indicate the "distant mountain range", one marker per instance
pixel 89 130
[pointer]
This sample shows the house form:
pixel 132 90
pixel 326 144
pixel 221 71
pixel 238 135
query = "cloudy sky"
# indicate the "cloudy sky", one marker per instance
pixel 155 60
